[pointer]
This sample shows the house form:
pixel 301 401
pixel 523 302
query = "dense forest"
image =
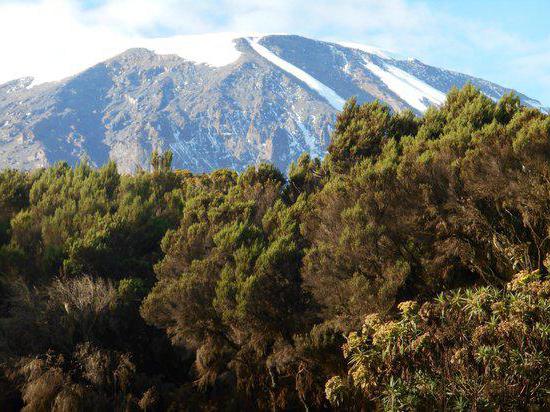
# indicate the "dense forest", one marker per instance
pixel 406 270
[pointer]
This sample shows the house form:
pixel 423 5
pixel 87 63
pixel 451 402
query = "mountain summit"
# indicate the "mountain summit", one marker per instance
pixel 215 100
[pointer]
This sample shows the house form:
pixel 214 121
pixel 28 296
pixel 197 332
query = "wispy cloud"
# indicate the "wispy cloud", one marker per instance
pixel 51 38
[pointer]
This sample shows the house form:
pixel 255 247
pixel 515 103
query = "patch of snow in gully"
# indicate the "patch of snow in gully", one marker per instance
pixel 430 92
pixel 309 139
pixel 409 88
pixel 330 95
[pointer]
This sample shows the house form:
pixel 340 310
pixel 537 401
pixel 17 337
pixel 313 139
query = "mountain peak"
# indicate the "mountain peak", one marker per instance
pixel 216 100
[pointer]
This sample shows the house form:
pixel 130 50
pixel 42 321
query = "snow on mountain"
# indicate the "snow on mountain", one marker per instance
pixel 412 90
pixel 223 100
pixel 215 49
pixel 335 101
pixel 385 54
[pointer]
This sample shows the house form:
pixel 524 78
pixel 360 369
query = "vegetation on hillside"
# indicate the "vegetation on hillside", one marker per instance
pixel 468 349
pixel 406 270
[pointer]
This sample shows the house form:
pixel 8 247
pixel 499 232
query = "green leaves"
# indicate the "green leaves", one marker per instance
pixel 408 232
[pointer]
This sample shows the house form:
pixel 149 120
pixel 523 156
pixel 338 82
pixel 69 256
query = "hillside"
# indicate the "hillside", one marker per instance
pixel 215 100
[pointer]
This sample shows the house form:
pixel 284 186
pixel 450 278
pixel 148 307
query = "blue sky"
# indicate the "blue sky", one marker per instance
pixel 503 41
pixel 519 59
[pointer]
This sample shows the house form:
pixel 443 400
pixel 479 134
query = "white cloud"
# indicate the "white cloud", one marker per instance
pixel 48 39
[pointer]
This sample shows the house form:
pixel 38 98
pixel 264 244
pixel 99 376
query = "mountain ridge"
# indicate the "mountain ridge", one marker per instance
pixel 276 99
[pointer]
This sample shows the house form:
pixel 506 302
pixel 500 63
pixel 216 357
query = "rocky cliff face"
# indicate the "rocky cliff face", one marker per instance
pixel 276 99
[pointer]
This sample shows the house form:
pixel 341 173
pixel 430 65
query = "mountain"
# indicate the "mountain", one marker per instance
pixel 215 101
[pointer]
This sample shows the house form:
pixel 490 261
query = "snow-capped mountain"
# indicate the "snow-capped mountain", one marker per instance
pixel 214 100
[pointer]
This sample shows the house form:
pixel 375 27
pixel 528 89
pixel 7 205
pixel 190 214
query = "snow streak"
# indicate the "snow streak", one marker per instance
pixel 409 88
pixel 330 95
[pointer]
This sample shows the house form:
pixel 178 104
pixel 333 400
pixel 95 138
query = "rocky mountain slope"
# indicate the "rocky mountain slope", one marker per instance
pixel 238 102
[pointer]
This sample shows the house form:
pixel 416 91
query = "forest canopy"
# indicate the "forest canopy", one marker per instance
pixel 406 270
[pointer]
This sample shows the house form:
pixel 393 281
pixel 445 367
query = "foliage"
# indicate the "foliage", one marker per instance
pixel 484 348
pixel 166 290
pixel 463 201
